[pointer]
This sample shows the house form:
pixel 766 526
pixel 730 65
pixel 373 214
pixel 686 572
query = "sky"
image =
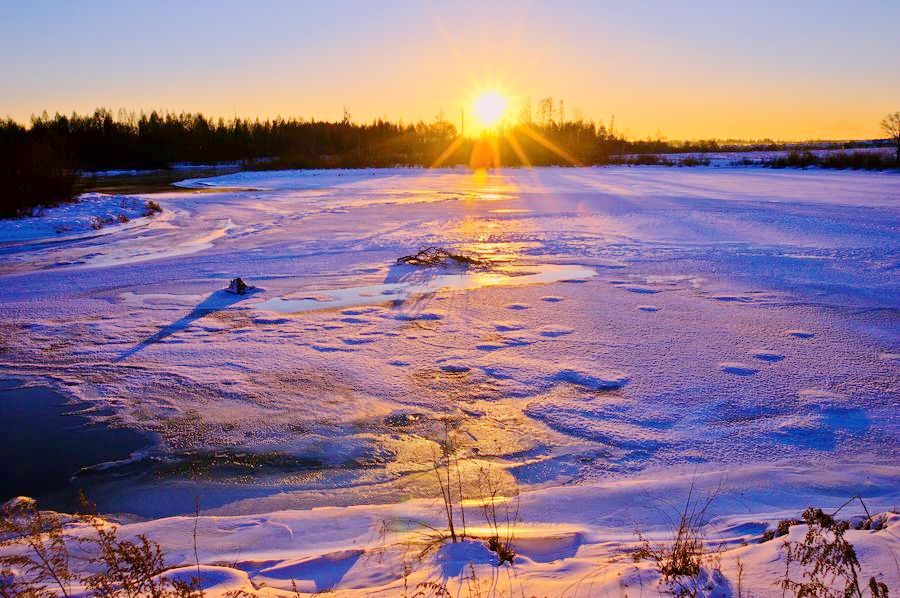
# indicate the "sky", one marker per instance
pixel 688 69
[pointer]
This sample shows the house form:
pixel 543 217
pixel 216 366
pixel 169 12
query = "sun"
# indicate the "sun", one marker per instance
pixel 489 108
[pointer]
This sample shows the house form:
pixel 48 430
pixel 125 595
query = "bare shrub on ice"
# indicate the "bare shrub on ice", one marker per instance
pixel 436 256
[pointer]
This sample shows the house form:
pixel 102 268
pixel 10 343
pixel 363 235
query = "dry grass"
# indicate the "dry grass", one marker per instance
pixel 436 256
pixel 681 559
pixel 123 568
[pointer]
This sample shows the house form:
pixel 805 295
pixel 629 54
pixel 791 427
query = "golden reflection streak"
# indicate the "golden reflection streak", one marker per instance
pixel 447 152
pixel 549 145
pixel 495 151
pixel 517 149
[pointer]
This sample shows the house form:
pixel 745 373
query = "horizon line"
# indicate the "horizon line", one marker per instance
pixel 400 121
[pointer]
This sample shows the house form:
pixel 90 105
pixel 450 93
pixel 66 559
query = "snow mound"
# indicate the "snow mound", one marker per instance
pixel 93 212
pixel 216 582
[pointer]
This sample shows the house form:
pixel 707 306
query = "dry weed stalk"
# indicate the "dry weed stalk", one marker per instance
pixel 826 559
pixel 680 560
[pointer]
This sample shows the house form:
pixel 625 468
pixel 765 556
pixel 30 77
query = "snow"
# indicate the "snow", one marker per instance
pixel 638 327
pixel 93 214
pixel 758 157
pixel 410 281
pixel 573 541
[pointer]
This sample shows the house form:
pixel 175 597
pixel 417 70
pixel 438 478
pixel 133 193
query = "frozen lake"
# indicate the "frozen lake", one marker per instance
pixel 631 320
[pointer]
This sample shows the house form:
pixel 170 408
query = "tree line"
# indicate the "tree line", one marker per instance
pixel 39 163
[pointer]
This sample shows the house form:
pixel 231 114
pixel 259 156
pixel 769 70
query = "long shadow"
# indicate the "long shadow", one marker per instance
pixel 214 302
pixel 417 276
pixel 325 571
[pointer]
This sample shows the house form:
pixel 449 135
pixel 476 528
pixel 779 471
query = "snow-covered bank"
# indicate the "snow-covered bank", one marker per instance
pixel 574 541
pixel 756 157
pixel 92 214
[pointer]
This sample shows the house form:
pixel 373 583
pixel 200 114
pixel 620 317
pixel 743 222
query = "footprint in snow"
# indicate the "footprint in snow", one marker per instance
pixel 354 320
pixel 800 333
pixel 648 308
pixel 592 381
pixel 266 320
pixel 641 290
pixel 552 299
pixel 738 368
pixel 424 315
pixel 508 326
pixel 767 356
pixel 328 348
pixel 554 331
pixel 517 306
pixel 359 311
pixel 502 343
pixel 490 346
pixel 451 368
pixel 357 340
pixel 733 298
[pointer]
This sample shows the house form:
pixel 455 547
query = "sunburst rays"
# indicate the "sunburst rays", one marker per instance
pixel 490 104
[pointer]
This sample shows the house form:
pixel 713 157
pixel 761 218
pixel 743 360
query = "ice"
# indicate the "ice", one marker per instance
pixel 412 285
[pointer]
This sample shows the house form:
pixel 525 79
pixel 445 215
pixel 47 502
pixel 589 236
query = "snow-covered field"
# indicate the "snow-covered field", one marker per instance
pixel 759 157
pixel 637 328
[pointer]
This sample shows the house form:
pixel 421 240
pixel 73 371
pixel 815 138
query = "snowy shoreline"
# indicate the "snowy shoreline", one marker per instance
pixel 561 537
pixel 92 214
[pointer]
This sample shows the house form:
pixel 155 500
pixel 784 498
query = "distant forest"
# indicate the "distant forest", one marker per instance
pixel 40 163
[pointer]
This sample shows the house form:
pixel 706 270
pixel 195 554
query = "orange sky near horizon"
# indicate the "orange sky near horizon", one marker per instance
pixel 685 70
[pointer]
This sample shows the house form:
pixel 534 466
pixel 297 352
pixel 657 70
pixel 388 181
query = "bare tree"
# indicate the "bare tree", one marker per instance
pixel 890 124
pixel 525 116
pixel 545 112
